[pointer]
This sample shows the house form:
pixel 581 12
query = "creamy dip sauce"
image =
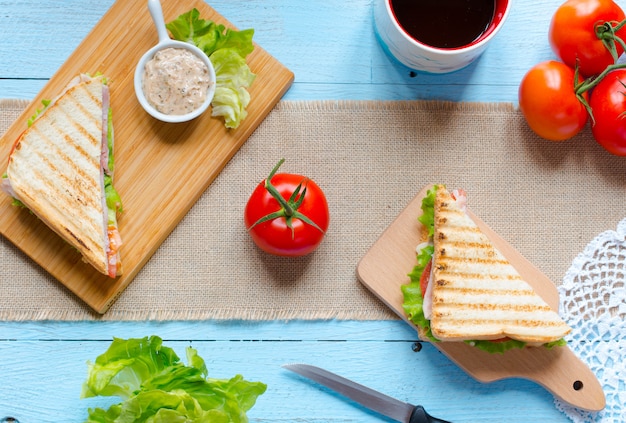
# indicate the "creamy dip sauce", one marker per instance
pixel 176 81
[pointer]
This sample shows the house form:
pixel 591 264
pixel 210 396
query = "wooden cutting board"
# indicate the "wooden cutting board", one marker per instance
pixel 384 269
pixel 160 169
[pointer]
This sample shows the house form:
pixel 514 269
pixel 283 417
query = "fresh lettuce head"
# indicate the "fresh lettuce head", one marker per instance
pixel 156 386
pixel 227 50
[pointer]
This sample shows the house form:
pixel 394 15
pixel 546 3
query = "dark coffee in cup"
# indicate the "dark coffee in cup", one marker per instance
pixel 444 24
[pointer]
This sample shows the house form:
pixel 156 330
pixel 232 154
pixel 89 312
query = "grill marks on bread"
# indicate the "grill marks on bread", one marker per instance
pixel 55 169
pixel 477 293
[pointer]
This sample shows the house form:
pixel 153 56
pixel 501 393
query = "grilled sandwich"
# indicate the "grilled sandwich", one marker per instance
pixel 61 168
pixel 477 293
pixel 473 293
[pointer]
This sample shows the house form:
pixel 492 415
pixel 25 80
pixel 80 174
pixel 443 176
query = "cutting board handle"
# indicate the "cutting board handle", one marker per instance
pixel 573 382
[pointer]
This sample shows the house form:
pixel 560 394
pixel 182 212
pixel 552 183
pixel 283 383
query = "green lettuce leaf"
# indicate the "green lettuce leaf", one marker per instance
pixel 227 50
pixel 38 112
pixel 113 199
pixel 428 211
pixel 158 406
pixel 156 386
pixel 497 347
pixel 233 76
pixel 413 300
pixel 412 293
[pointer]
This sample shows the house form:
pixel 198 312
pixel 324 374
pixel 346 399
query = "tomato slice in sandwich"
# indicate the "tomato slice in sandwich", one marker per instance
pixel 425 277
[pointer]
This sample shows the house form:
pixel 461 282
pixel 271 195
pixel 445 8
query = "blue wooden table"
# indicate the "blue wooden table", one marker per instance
pixel 331 48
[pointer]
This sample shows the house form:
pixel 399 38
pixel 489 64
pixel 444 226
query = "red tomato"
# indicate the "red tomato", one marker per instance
pixel 287 216
pixel 425 277
pixel 548 101
pixel 572 34
pixel 608 103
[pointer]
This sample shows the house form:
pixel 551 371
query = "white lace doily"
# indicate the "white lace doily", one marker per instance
pixel 593 302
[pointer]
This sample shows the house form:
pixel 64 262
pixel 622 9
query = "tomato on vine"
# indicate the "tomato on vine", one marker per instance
pixel 287 214
pixel 588 34
pixel 549 102
pixel 608 103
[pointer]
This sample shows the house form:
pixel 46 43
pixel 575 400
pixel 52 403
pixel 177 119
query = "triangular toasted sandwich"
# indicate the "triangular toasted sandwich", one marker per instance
pixel 471 292
pixel 61 168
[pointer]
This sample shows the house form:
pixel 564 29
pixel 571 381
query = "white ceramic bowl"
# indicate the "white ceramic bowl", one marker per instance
pixel 421 57
pixel 156 12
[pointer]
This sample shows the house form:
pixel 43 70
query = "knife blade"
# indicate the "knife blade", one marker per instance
pixel 367 397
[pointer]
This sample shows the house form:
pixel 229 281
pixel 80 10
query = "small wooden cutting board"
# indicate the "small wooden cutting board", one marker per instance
pixel 384 269
pixel 160 169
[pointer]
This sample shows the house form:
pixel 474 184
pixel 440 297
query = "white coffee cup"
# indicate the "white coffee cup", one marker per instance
pixel 420 56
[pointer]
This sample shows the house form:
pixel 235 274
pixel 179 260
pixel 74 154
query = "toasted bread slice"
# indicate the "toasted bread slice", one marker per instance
pixel 477 293
pixel 56 170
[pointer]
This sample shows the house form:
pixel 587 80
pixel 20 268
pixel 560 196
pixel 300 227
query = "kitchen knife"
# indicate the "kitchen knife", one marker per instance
pixel 381 403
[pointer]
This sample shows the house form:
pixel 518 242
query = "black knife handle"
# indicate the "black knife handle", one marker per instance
pixel 420 415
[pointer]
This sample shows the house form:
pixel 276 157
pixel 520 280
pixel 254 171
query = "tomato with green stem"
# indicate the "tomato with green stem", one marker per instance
pixel 588 34
pixel 287 214
pixel 608 103
pixel 549 101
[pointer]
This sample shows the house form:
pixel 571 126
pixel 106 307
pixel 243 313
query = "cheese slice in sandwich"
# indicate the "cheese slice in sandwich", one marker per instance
pixel 476 293
pixel 61 168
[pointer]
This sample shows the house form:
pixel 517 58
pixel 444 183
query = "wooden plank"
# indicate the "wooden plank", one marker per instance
pixel 378 354
pixel 384 270
pixel 161 169
pixel 333 49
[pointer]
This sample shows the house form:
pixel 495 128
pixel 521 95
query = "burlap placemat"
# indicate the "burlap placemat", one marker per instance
pixel 371 158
